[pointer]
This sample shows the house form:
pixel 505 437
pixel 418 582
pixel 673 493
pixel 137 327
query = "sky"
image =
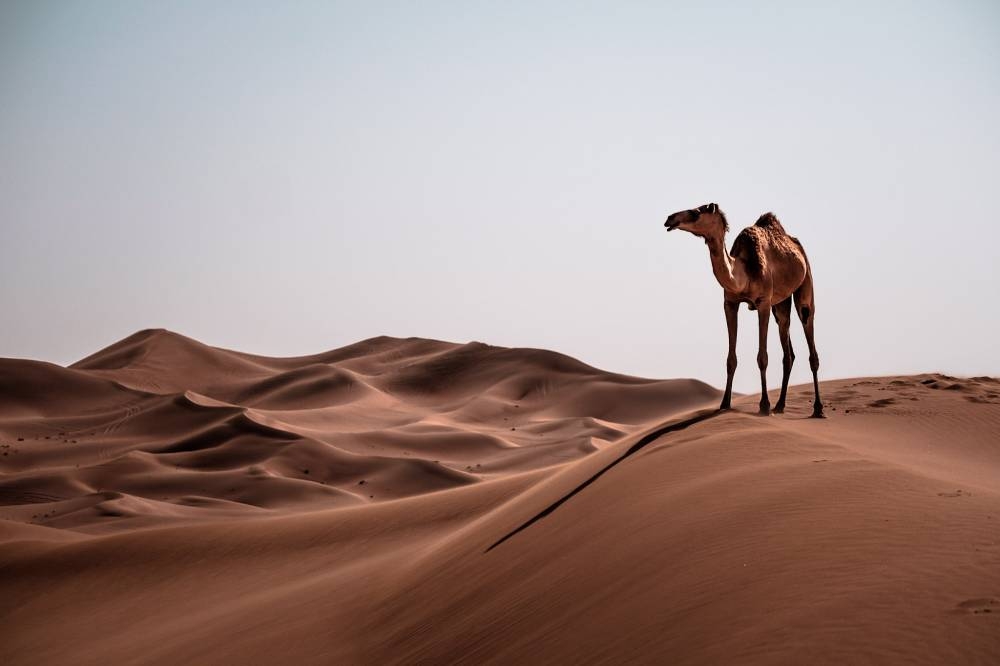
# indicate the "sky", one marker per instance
pixel 286 178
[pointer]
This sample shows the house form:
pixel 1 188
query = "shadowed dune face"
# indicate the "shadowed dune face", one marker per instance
pixel 155 426
pixel 415 501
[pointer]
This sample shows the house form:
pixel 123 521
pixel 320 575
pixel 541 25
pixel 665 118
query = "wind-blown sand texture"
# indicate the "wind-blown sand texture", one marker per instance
pixel 403 501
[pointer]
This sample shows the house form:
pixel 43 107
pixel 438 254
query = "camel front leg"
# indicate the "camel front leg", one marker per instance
pixel 783 315
pixel 763 317
pixel 732 309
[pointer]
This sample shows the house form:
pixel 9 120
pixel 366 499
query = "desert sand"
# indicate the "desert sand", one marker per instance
pixel 407 500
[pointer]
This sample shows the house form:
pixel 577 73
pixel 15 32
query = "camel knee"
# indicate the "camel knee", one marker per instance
pixel 762 359
pixel 731 363
pixel 788 359
pixel 814 361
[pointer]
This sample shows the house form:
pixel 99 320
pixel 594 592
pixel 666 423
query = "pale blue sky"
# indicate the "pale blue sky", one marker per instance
pixel 284 178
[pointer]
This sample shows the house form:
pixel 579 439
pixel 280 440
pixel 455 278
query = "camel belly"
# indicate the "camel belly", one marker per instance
pixel 751 302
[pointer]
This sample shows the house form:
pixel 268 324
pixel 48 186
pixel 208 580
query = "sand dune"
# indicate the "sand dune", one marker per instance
pixel 397 501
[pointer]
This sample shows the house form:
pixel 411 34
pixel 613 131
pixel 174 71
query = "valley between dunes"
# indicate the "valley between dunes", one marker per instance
pixel 408 500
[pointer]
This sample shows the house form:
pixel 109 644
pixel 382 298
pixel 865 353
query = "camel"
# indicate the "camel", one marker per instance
pixel 767 269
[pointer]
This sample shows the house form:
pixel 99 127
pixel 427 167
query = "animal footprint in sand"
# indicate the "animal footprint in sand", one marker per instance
pixel 978 606
pixel 957 493
pixel 882 402
pixel 938 384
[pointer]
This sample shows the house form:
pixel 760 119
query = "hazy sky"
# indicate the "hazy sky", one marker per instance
pixel 289 177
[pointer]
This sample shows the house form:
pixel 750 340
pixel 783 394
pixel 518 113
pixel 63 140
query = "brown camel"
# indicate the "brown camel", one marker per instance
pixel 766 269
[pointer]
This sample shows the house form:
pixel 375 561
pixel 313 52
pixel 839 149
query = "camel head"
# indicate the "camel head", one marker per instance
pixel 704 221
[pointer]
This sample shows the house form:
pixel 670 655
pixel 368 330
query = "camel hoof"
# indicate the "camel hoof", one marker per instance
pixel 818 414
pixel 765 411
pixel 779 409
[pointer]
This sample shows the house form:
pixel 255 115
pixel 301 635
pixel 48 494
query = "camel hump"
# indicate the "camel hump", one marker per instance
pixel 769 221
pixel 747 248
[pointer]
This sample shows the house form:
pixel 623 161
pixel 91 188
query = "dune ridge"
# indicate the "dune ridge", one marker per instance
pixel 380 419
pixel 408 500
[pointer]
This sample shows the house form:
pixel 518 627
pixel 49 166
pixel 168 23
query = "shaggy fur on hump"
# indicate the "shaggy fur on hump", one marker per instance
pixel 769 221
pixel 766 232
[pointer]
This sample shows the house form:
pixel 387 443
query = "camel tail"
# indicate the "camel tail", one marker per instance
pixel 805 256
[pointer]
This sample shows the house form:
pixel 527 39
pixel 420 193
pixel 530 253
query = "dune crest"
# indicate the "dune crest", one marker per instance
pixel 380 419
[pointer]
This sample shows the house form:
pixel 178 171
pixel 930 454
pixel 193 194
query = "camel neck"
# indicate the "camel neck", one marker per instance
pixel 722 264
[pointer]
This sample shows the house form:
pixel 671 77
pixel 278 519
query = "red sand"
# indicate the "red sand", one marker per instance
pixel 167 502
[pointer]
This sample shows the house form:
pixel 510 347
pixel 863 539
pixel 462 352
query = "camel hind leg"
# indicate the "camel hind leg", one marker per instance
pixel 806 308
pixel 783 316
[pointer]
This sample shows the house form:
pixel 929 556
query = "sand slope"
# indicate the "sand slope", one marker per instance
pixel 163 501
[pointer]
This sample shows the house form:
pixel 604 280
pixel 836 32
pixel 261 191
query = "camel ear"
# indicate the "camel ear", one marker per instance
pixel 712 208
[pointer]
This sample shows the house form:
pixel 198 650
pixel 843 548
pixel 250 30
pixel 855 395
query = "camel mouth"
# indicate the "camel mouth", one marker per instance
pixel 671 227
